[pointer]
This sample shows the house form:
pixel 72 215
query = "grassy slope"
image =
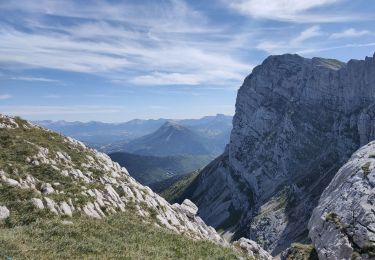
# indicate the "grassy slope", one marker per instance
pixel 122 235
pixel 30 233
pixel 151 169
pixel 173 194
pixel 18 144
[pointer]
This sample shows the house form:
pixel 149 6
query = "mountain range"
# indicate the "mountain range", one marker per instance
pixel 167 149
pixel 112 137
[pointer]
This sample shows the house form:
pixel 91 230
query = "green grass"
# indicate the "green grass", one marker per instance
pixel 174 192
pixel 120 236
pixel 334 218
pixel 19 143
pixel 369 248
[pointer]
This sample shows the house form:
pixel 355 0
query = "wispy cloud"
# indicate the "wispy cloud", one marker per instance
pixel 294 44
pixel 287 10
pixel 59 110
pixel 160 43
pixel 158 78
pixel 39 79
pixel 52 96
pixel 5 96
pixel 349 33
pixel 309 33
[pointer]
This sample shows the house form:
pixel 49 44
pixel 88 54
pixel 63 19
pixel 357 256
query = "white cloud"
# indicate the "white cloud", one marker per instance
pixel 5 96
pixel 170 37
pixel 158 78
pixel 291 45
pixel 349 33
pixel 58 110
pixel 40 79
pixel 286 10
pixel 309 33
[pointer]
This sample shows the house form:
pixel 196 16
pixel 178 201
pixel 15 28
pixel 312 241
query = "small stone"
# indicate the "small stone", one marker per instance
pixel 65 209
pixel 4 212
pixel 47 188
pixel 35 163
pixel 12 183
pixel 38 203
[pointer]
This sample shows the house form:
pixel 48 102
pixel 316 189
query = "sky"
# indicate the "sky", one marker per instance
pixel 114 61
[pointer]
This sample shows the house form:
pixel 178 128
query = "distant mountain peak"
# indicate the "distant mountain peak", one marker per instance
pixel 170 139
pixel 172 124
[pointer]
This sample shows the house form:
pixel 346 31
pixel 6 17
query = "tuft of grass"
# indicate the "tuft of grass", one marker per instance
pixel 369 249
pixel 334 218
pixel 121 235
pixel 302 252
pixel 366 168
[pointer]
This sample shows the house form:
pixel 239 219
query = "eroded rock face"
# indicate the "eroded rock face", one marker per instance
pixel 297 121
pixel 343 224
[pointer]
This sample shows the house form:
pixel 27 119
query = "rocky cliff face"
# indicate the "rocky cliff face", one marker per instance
pixel 342 226
pixel 43 173
pixel 297 121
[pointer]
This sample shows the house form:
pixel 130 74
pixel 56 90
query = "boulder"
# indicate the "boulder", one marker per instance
pixel 189 208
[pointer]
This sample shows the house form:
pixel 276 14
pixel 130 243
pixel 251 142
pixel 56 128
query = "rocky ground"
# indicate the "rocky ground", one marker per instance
pixel 43 173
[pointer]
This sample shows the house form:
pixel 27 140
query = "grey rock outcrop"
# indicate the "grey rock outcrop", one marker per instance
pixel 252 249
pixel 189 208
pixel 297 121
pixel 342 226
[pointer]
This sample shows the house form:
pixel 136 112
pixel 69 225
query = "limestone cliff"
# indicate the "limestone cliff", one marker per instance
pixel 297 121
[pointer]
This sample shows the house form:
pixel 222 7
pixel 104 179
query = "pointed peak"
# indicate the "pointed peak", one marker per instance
pixel 171 123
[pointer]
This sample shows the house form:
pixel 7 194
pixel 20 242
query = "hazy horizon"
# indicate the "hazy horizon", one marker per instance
pixel 119 122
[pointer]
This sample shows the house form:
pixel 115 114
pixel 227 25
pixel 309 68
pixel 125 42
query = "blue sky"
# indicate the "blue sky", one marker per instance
pixel 118 60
